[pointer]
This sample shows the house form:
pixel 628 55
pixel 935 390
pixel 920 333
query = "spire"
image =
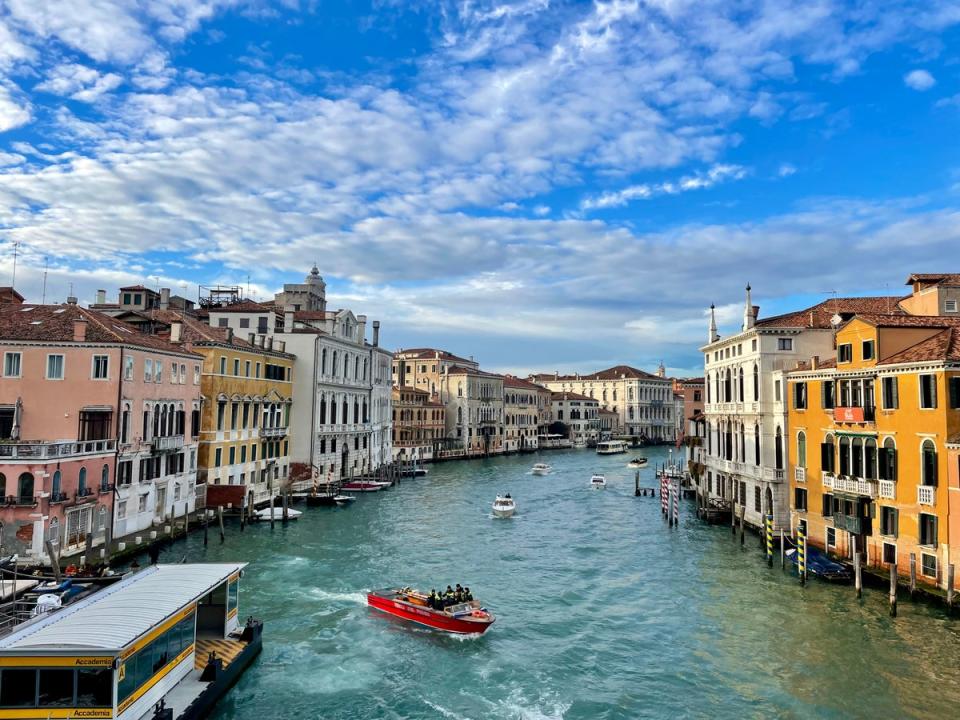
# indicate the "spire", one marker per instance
pixel 713 325
pixel 748 312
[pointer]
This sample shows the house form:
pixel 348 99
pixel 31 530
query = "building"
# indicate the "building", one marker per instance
pixel 933 294
pixel 579 414
pixel 419 424
pixel 526 406
pixel 869 441
pixel 99 428
pixel 744 410
pixel 423 368
pixel 608 423
pixel 247 386
pixel 474 410
pixel 642 401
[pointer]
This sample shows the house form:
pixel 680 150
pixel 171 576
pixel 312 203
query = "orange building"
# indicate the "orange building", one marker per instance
pixel 418 423
pixel 868 442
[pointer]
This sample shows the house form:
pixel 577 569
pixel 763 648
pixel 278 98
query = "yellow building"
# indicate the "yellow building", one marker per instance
pixel 247 389
pixel 418 424
pixel 868 430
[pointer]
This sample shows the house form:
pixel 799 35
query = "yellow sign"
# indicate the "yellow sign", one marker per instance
pixel 56 661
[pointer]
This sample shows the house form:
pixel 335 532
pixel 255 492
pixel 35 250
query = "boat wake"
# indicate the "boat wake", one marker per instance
pixel 444 712
pixel 357 598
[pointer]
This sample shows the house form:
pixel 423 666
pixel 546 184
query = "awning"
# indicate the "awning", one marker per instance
pixel 97 408
pixel 850 433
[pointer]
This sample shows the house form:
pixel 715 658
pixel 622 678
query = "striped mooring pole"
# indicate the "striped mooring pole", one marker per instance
pixel 663 494
pixel 676 503
pixel 802 555
pixel 768 523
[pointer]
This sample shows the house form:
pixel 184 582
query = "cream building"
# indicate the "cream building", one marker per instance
pixel 525 406
pixel 579 413
pixel 474 409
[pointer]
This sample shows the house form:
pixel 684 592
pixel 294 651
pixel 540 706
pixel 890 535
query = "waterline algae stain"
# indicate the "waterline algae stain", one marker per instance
pixel 602 611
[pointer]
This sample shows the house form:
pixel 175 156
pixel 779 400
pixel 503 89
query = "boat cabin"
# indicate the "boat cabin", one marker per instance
pixel 118 652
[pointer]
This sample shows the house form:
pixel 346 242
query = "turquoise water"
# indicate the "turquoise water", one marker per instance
pixel 602 611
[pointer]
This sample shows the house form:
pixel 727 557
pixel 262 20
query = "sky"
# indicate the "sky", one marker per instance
pixel 543 185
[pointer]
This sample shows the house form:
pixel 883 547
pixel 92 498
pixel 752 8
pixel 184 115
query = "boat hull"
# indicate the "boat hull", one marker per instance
pixel 427 617
pixel 504 513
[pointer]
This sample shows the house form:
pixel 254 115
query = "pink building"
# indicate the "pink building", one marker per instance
pixel 73 383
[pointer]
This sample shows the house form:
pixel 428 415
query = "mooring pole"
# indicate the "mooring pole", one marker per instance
pixel 743 510
pixel 802 555
pixel 206 524
pixel 783 550
pixel 913 575
pixel 893 590
pixel 223 535
pixel 950 587
pixel 769 536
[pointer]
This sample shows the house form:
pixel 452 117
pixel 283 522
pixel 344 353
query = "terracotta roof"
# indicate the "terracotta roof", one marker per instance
pixel 613 373
pixel 934 278
pixel 245 306
pixel 820 315
pixel 888 321
pixel 570 396
pixel 515 382
pixel 306 315
pixel 197 332
pixel 407 388
pixel 954 439
pixel 805 365
pixel 945 345
pixel 427 354
pixel 460 370
pixel 54 323
pixel 139 287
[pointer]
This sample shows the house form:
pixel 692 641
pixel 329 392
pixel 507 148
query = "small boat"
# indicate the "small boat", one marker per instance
pixel 414 472
pixel 598 482
pixel 344 499
pixel 611 447
pixel 364 486
pixel 540 469
pixel 638 462
pixel 469 618
pixel 277 514
pixel 819 564
pixel 320 499
pixel 504 506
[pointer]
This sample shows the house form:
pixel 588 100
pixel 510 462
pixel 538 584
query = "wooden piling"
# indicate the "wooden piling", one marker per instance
pixel 243 512
pixel 783 550
pixel 893 590
pixel 950 587
pixel 54 563
pixel 768 538
pixel 206 527
pixel 272 498
pixel 285 513
pixel 742 511
pixel 913 575
pixel 223 535
pixel 857 575
pixel 186 519
pixel 802 555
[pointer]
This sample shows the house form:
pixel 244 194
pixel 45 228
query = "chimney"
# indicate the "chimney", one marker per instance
pixel 229 334
pixel 71 300
pixel 164 298
pixel 376 335
pixel 79 329
pixel 176 331
pixel 814 362
pixel 252 338
pixel 288 320
pixel 281 345
pixel 756 313
pixel 263 341
pixel 362 327
pixel 713 324
pixel 270 343
pixel 101 297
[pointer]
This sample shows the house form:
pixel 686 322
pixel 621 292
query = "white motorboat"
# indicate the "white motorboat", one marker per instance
pixel 540 469
pixel 277 514
pixel 598 482
pixel 638 462
pixel 611 447
pixel 504 506
pixel 344 499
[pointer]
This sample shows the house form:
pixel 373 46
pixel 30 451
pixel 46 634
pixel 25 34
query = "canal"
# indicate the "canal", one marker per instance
pixel 602 611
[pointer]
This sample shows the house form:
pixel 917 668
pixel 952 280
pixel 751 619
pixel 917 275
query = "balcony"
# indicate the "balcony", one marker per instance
pixel 168 443
pixel 827 481
pixel 856 486
pixel 21 501
pixel 84 493
pixel 773 474
pixel 855 415
pixel 850 523
pixel 58 497
pixel 926 495
pixel 800 474
pixel 59 450
pixel 273 432
pixel 888 489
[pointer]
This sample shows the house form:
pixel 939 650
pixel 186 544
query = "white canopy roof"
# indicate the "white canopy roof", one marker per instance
pixel 114 617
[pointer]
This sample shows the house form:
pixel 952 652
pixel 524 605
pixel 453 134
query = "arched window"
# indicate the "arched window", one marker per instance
pixel 743 443
pixel 323 361
pixel 356 412
pixel 25 489
pixel 778 448
pixel 709 377
pixel 856 457
pixel 333 410
pixel 82 482
pixel 334 363
pixel 346 412
pixel 728 387
pixel 53 531
pixel 756 382
pixel 888 460
pixel 827 454
pixel 55 485
pixel 844 456
pixel 323 409
pixel 3 485
pixel 870 459
pixel 928 453
pixel 101 518
pixel 741 384
pixel 105 477
pixel 756 444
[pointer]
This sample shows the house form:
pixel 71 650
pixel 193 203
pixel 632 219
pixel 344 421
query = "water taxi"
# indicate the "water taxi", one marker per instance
pixel 611 447
pixel 469 618
pixel 598 482
pixel 168 633
pixel 277 513
pixel 638 462
pixel 365 485
pixel 540 469
pixel 504 506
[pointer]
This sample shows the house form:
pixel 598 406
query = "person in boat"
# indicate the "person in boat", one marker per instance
pixel 448 597
pixel 458 594
pixel 434 600
pixel 467 595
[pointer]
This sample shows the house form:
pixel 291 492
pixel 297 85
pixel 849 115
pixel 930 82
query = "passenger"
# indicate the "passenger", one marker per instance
pixel 432 600
pixel 467 595
pixel 458 594
pixel 448 597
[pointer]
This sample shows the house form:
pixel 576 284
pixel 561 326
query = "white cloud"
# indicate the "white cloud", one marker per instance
pixel 700 181
pixel 919 80
pixel 786 170
pixel 14 112
pixel 79 82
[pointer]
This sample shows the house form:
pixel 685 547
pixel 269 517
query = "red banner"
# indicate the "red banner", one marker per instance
pixel 848 414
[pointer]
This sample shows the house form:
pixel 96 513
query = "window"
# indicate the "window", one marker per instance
pixel 888 521
pixel 757 502
pixel 54 367
pixel 128 367
pixel 244 322
pixel 844 456
pixel 928 391
pixel 236 367
pixel 928 564
pixel 11 364
pixel 800 499
pixel 890 553
pixel 954 386
pixel 223 365
pixel 100 366
pixel 96 424
pixel 223 322
pixel 801 449
pixel 826 507
pixel 158 371
pixel 887 460
pixel 828 397
pixel 867 350
pixel 218 457
pixel 776 390
pixel 890 399
pixel 928 529
pixel 258 368
pixel 247 368
pixel 800 396
pixel 148 370
pixel 831 538
pixel 785 344
pixel 950 306
pixel 928 452
pixel 845 353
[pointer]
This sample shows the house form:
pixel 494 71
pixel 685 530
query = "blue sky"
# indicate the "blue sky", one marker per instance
pixel 543 185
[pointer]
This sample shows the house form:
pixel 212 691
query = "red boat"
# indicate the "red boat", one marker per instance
pixel 364 486
pixel 467 618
